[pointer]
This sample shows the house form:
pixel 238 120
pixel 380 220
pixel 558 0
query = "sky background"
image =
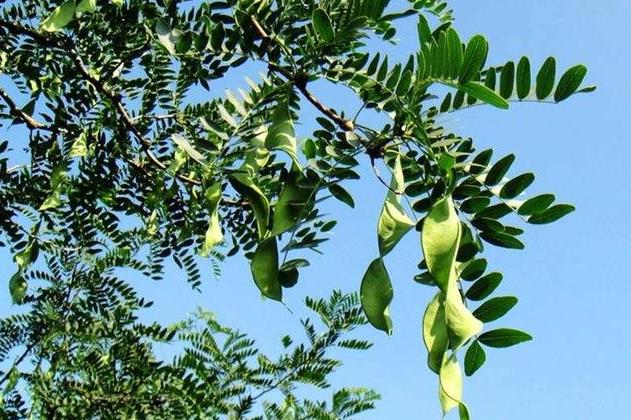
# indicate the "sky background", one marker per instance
pixel 571 280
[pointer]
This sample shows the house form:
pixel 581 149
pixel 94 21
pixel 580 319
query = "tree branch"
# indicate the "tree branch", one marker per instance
pixel 300 82
pixel 21 115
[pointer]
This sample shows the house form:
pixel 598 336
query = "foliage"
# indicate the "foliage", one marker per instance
pixel 124 166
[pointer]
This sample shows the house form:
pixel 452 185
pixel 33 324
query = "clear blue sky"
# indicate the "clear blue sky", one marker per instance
pixel 572 278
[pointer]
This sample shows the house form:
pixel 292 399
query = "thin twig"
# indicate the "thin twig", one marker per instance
pixel 301 84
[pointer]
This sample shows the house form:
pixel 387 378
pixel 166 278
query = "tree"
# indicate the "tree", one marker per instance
pixel 121 162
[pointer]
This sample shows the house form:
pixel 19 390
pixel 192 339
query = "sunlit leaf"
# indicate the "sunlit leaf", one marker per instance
pixel 60 17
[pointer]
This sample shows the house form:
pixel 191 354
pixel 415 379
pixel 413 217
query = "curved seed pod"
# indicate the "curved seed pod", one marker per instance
pixel 265 269
pixel 450 380
pixel 260 204
pixel 435 333
pixel 376 295
pixel 214 235
pixel 461 322
pixel 440 240
pixel 394 222
pixel 294 198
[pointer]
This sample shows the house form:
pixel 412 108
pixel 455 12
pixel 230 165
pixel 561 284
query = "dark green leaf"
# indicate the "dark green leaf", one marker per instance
pixel 503 240
pixel 570 82
pixel 483 288
pixel 536 204
pixel 523 78
pixel 474 269
pixel 484 94
pixel 288 278
pixel 322 25
pixel 474 58
pixel 546 78
pixel 498 170
pixel 552 214
pixel 496 211
pixel 474 358
pixel 517 185
pixel 495 308
pixel 503 337
pixel 342 195
pixel 507 80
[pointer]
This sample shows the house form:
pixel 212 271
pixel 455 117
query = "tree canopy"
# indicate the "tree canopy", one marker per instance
pixel 114 167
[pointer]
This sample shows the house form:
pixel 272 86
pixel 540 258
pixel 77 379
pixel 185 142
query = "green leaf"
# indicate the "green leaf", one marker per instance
pixel 265 269
pixel 435 333
pixel 570 82
pixel 483 288
pixel 86 6
pixel 27 256
pixel 424 31
pixel 475 204
pixel 536 204
pixel 394 222
pixel 440 240
pixel 118 3
pixel 79 147
pixel 504 337
pixel 322 25
pixel 474 358
pixel 503 240
pixel 474 58
pixel 483 93
pixel 404 83
pixel 495 308
pixel 288 277
pixel 552 214
pixel 496 211
pixel 523 78
pixel 463 411
pixel 497 171
pixel 456 53
pixel 281 134
pixel 546 78
pixel 450 380
pixel 166 36
pixel 187 147
pixel 507 80
pixel 376 295
pixel 59 18
pixel 517 185
pixel 52 202
pixel 474 269
pixel 214 235
pixel 341 194
pixel 259 203
pixel 17 288
pixel 297 193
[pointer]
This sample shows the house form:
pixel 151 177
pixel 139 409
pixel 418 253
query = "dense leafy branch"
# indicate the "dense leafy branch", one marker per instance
pixel 134 161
